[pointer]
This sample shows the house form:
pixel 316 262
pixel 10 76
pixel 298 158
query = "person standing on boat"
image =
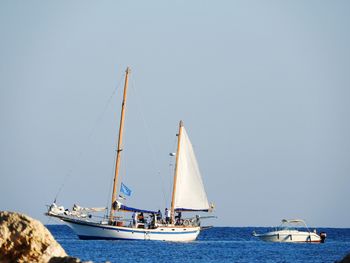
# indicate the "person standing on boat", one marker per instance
pixel 151 221
pixel 178 219
pixel 141 218
pixel 167 215
pixel 159 215
pixel 134 219
pixel 154 221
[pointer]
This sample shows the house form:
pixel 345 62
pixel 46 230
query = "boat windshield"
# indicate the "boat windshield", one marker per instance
pixel 282 227
pixel 293 225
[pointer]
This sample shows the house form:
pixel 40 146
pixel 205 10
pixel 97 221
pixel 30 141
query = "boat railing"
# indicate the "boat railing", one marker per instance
pixel 151 224
pixel 91 216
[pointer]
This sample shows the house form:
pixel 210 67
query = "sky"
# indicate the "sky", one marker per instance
pixel 263 88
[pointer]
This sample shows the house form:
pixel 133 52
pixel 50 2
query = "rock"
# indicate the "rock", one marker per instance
pixel 67 260
pixel 346 259
pixel 23 239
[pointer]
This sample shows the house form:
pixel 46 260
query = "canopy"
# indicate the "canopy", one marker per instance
pixel 293 221
pixel 190 210
pixel 132 209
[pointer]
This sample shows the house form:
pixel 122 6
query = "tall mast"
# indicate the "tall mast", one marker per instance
pixel 120 144
pixel 172 211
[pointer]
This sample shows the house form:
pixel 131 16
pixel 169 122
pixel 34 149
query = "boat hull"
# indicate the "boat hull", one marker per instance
pixel 89 230
pixel 289 236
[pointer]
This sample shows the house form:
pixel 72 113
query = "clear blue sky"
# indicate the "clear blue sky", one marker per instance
pixel 262 86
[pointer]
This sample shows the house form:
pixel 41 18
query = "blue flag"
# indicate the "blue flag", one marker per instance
pixel 125 190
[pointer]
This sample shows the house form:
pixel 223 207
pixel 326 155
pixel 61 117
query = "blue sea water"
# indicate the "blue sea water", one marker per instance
pixel 218 244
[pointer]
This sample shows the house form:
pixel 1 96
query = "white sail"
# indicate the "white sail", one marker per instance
pixel 189 193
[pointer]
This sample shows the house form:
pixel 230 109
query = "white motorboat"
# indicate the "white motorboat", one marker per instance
pixel 292 230
pixel 188 195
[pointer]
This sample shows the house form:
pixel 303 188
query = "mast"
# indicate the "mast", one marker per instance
pixel 120 144
pixel 172 211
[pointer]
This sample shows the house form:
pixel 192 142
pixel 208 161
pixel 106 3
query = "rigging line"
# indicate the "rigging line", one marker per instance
pixel 171 168
pixel 100 117
pixel 112 178
pixel 172 165
pixel 97 121
pixel 123 168
pixel 123 160
pixel 154 156
pixel 48 221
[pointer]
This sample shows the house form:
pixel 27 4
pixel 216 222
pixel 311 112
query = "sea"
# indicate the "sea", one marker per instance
pixel 217 244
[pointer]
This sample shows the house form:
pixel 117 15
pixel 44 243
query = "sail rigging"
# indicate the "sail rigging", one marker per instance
pixel 188 190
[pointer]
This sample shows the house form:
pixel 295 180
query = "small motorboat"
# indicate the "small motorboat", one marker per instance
pixel 292 230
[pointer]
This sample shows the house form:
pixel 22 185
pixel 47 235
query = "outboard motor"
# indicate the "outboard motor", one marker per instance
pixel 323 236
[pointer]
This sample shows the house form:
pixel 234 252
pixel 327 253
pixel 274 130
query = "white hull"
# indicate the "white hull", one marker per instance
pixel 89 230
pixel 289 236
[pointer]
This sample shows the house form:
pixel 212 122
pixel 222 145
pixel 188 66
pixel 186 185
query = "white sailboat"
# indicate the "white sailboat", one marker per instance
pixel 292 231
pixel 188 195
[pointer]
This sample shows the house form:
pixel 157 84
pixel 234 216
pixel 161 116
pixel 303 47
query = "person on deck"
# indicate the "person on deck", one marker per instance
pixel 159 216
pixel 141 218
pixel 149 221
pixel 154 221
pixel 178 219
pixel 134 219
pixel 167 216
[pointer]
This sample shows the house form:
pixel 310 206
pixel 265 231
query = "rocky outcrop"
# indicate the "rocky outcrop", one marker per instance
pixel 23 239
pixel 346 259
pixel 67 260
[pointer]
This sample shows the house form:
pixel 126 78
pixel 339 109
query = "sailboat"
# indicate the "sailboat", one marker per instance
pixel 188 195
